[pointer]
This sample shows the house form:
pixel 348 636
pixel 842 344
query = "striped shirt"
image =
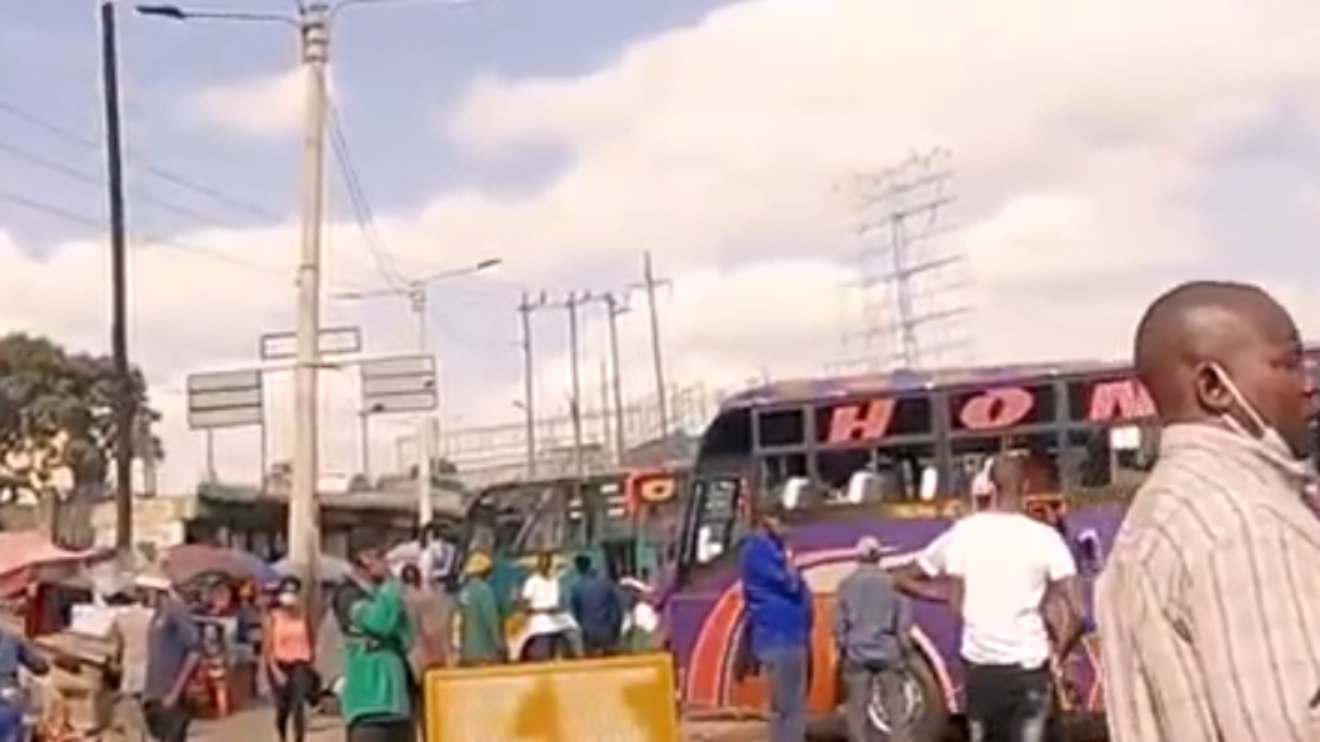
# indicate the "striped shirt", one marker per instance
pixel 1209 605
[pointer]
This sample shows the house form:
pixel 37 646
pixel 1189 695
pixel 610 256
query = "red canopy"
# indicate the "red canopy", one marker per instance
pixel 26 556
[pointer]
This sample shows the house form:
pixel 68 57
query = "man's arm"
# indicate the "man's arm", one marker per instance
pixel 189 637
pixel 1253 608
pixel 921 578
pixel 842 606
pixel 768 567
pixel 1063 608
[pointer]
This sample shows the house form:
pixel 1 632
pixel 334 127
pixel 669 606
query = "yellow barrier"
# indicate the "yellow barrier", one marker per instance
pixel 624 699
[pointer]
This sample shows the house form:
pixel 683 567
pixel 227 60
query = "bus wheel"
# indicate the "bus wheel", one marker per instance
pixel 927 714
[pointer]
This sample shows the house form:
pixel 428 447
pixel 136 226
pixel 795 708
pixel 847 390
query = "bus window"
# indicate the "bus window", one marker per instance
pixel 545 526
pixel 778 469
pixel 1042 467
pixel 718 523
pixel 1120 456
pixel 899 473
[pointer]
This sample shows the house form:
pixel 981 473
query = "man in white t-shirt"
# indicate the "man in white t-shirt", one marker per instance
pixel 550 626
pixel 1012 579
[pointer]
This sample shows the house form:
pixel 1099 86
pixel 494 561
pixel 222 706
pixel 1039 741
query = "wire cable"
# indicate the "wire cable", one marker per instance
pixel 362 211
pixel 180 181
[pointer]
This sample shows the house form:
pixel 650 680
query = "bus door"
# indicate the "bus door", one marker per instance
pixel 714 518
pixel 651 497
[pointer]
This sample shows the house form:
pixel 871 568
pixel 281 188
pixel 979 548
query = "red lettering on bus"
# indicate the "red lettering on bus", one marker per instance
pixel 1123 399
pixel 996 408
pixel 860 422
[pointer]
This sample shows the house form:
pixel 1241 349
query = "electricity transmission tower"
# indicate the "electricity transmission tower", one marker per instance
pixel 908 281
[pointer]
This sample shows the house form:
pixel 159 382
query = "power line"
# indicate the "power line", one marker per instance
pixel 96 222
pixel 181 181
pixel 82 176
pixel 362 211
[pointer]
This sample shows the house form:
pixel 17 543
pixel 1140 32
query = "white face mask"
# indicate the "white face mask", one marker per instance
pixel 288 599
pixel 1269 436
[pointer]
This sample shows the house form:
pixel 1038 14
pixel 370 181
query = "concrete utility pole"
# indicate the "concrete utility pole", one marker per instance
pixel 312 22
pixel 614 307
pixel 418 295
pixel 649 284
pixel 574 301
pixel 525 309
pixel 304 517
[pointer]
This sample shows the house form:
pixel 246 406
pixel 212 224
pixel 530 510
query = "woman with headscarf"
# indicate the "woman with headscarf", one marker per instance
pixel 481 631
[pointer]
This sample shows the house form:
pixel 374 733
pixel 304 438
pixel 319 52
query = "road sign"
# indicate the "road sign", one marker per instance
pixel 227 399
pixel 399 384
pixel 334 341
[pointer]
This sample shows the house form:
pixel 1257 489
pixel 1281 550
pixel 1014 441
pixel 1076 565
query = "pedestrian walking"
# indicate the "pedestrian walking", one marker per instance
pixel 174 651
pixel 1209 602
pixel 872 631
pixel 1012 579
pixel 377 699
pixel 481 631
pixel 779 616
pixel 287 656
pixel 551 625
pixel 596 603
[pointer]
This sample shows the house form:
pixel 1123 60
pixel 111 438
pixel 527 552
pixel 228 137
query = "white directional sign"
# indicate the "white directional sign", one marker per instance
pixel 399 384
pixel 227 399
pixel 334 341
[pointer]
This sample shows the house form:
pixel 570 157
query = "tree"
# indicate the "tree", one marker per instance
pixel 56 412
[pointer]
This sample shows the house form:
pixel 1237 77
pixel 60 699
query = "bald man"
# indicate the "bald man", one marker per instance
pixel 1209 604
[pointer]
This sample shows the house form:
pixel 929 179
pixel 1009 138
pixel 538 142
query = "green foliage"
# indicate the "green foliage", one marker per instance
pixel 46 391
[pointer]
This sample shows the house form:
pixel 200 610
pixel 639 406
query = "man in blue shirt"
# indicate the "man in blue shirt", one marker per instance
pixel 15 655
pixel 779 615
pixel 597 605
pixel 173 653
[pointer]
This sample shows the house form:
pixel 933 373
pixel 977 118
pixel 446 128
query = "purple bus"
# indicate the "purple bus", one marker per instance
pixel 893 456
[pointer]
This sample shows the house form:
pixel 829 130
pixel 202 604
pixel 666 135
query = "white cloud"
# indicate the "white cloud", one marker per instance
pixel 1081 132
pixel 266 106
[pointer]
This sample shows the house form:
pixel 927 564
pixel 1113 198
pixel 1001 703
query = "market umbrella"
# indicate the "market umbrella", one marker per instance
pixel 187 562
pixel 330 569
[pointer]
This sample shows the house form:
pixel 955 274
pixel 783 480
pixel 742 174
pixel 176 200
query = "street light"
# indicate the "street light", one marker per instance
pixel 312 22
pixel 416 294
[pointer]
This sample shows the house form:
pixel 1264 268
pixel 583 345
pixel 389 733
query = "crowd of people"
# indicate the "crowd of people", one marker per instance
pixel 382 629
pixel 1207 607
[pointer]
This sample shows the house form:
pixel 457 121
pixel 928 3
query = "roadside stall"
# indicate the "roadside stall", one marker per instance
pixel 222 586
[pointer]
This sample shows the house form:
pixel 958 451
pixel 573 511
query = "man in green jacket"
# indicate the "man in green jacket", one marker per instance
pixel 481 630
pixel 377 700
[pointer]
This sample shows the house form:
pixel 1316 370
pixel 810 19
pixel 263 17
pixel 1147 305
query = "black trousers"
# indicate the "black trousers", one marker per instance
pixel 166 723
pixel 381 730
pixel 546 647
pixel 292 698
pixel 1008 703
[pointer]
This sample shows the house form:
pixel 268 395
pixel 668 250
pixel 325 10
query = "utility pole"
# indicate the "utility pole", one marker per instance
pixel 304 518
pixel 525 309
pixel 613 309
pixel 574 301
pixel 125 402
pixel 417 293
pixel 649 284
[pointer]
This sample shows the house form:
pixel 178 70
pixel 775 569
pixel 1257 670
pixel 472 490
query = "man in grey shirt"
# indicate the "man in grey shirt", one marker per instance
pixel 173 653
pixel 872 628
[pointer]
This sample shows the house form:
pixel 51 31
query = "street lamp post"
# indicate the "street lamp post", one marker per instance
pixel 417 293
pixel 313 25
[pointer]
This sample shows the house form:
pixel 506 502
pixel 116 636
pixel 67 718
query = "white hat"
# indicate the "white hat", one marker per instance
pixel 153 581
pixel 868 547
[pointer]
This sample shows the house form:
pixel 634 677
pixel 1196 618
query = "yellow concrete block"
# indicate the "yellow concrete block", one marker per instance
pixel 624 699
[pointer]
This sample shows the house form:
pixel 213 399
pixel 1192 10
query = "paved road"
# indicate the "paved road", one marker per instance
pixel 257 725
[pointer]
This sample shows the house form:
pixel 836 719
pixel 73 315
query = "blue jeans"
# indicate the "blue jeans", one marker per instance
pixel 13 727
pixel 786 673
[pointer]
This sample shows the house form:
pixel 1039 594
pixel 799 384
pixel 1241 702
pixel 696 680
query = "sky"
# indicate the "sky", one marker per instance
pixel 1099 152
